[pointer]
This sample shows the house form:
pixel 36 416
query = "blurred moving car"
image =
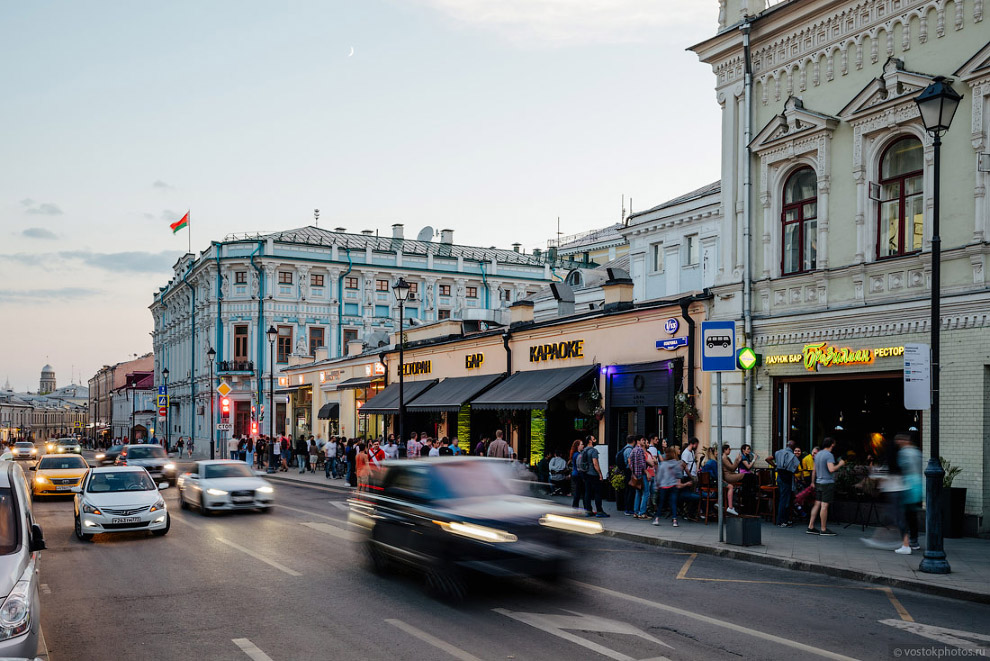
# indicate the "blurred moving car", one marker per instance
pixel 109 456
pixel 20 541
pixel 452 517
pixel 119 499
pixel 57 474
pixel 224 484
pixel 67 445
pixel 152 457
pixel 24 450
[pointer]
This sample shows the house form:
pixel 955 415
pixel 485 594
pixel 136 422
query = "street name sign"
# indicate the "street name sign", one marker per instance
pixel 718 346
pixel 672 343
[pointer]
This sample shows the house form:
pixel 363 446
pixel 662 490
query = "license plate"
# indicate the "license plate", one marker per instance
pixel 126 519
pixel 63 487
pixel 244 500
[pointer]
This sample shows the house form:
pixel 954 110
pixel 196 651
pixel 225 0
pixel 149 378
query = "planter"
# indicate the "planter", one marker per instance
pixel 953 511
pixel 743 531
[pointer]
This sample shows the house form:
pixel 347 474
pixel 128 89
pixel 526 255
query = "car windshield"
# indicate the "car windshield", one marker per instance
pixel 115 448
pixel 62 463
pixel 228 470
pixel 9 528
pixel 120 481
pixel 154 452
pixel 67 441
pixel 25 445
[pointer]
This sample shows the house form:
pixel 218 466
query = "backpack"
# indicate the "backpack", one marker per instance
pixel 580 465
pixel 620 458
pixel 589 464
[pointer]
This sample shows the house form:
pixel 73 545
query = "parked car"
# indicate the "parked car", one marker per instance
pixel 56 474
pixel 453 517
pixel 119 499
pixel 21 540
pixel 224 484
pixel 109 456
pixel 152 457
pixel 68 445
pixel 24 450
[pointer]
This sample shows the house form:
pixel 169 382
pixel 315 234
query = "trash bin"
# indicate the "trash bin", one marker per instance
pixel 743 531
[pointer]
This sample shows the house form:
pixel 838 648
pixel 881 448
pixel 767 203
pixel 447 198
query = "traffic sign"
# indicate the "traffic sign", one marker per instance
pixel 162 400
pixel 747 359
pixel 224 426
pixel 162 390
pixel 224 389
pixel 162 411
pixel 917 377
pixel 77 425
pixel 672 343
pixel 718 346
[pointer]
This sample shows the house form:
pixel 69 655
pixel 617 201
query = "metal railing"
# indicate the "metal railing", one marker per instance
pixel 235 366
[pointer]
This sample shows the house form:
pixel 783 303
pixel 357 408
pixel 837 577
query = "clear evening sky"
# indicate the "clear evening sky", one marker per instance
pixel 490 117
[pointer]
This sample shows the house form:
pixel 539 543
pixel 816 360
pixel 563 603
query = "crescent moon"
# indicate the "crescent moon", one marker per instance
pixel 352 52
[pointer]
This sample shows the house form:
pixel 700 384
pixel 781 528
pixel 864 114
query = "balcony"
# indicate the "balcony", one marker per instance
pixel 235 367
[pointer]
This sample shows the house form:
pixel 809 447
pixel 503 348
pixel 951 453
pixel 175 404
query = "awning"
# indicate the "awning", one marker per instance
pixel 532 390
pixel 387 401
pixel 328 411
pixel 356 382
pixel 450 394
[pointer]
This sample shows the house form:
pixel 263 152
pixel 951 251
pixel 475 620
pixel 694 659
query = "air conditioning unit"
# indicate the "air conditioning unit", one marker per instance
pixel 412 296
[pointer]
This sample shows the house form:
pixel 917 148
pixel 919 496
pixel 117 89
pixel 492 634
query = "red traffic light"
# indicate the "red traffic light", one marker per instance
pixel 254 428
pixel 225 406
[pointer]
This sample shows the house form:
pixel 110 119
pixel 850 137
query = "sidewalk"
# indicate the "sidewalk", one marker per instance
pixel 843 556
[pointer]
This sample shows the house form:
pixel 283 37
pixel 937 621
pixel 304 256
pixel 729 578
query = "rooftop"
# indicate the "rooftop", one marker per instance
pixel 710 189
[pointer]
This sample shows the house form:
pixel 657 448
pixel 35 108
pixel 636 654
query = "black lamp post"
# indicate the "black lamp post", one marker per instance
pixel 401 291
pixel 168 431
pixel 937 104
pixel 272 336
pixel 211 354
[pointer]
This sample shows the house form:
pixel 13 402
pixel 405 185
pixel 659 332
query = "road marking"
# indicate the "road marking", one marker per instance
pixel 954 637
pixel 682 574
pixel 897 605
pixel 556 624
pixel 272 563
pixel 715 622
pixel 44 588
pixel 301 511
pixel 455 652
pixel 333 530
pixel 251 649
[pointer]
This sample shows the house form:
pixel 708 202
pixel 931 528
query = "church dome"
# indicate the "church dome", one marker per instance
pixel 47 369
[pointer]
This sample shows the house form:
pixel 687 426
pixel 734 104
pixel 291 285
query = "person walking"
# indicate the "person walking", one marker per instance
pixel 909 463
pixel 390 448
pixel 362 470
pixel 499 448
pixel 577 473
pixel 351 462
pixel 276 454
pixel 191 446
pixel 261 451
pixel 787 465
pixel 413 446
pixel 313 455
pixel 625 501
pixel 823 477
pixel 639 481
pixel 181 444
pixel 301 453
pixel 232 444
pixel 592 479
pixel 330 457
pixel 249 451
pixel 669 485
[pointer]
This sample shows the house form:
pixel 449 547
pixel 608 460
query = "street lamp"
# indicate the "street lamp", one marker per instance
pixel 168 428
pixel 272 336
pixel 211 354
pixel 937 104
pixel 401 291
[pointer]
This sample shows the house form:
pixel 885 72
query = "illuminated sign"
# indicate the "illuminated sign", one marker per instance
pixel 283 381
pixel 474 360
pixel 419 367
pixel 556 351
pixel 378 369
pixel 819 354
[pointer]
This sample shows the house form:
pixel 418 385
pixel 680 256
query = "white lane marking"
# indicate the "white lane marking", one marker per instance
pixel 333 530
pixel 183 519
pixel 256 556
pixel 44 588
pixel 954 637
pixel 715 622
pixel 251 649
pixel 341 505
pixel 455 652
pixel 556 624
pixel 296 509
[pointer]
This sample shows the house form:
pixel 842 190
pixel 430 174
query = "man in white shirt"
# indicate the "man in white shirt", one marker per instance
pixel 690 458
pixel 232 447
pixel 434 447
pixel 330 454
pixel 391 449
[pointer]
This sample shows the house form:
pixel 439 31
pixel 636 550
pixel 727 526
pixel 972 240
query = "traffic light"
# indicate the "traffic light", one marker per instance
pixel 254 428
pixel 225 407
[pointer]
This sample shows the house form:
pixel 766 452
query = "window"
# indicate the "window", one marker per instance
pixel 315 340
pixel 285 277
pixel 507 295
pixel 240 343
pixel 381 285
pixel 902 204
pixel 240 277
pixel 443 314
pixel 316 280
pixel 413 287
pixel 350 334
pixel 656 257
pixel 691 258
pixel 472 292
pixel 799 222
pixel 445 290
pixel 351 283
pixel 284 345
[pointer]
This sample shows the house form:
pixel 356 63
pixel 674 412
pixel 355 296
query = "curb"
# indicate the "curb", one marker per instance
pixel 311 485
pixel 786 563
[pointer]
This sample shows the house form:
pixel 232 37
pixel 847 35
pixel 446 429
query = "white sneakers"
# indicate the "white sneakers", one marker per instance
pixel 904 550
pixel 732 511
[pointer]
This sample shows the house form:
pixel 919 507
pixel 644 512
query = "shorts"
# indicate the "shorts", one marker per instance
pixel 825 492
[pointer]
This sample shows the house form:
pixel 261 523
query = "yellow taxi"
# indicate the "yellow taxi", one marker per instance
pixel 58 473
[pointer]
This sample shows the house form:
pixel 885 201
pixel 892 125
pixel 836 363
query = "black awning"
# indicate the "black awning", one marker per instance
pixel 532 390
pixel 328 411
pixel 356 382
pixel 450 394
pixel 387 401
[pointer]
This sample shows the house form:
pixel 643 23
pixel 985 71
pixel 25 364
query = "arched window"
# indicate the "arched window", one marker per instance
pixel 799 221
pixel 902 200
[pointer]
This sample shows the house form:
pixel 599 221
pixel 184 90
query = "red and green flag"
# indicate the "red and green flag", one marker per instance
pixel 182 223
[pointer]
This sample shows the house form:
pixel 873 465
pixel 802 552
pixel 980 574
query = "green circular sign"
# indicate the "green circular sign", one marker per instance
pixel 746 358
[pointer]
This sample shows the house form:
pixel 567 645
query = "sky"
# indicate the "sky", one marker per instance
pixel 489 117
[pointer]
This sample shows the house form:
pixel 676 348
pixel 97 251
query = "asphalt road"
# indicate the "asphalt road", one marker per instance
pixel 291 585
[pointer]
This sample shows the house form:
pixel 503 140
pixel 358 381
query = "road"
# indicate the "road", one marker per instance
pixel 291 585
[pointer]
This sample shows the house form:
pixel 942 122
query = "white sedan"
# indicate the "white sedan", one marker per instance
pixel 119 499
pixel 224 485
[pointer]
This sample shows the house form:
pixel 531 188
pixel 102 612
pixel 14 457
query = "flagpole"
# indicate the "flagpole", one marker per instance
pixel 189 227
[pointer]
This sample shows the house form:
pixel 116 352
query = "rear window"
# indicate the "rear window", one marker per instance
pixel 228 470
pixel 67 441
pixel 9 528
pixel 62 463
pixel 153 452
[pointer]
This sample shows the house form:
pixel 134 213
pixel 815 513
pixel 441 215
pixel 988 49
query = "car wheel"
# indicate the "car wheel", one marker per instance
pixel 446 583
pixel 183 504
pixel 377 559
pixel 203 508
pixel 79 533
pixel 163 531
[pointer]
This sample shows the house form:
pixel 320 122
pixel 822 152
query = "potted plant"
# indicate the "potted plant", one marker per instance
pixel 953 501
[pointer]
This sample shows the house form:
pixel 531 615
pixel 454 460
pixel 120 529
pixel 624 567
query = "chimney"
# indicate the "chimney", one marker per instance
pixel 322 353
pixel 564 296
pixel 397 231
pixel 618 290
pixel 516 247
pixel 355 348
pixel 537 253
pixel 342 230
pixel 521 313
pixel 446 236
pixel 367 232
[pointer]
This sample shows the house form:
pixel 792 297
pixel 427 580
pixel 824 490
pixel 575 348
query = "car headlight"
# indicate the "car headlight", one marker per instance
pixel 34 450
pixel 91 509
pixel 216 492
pixel 41 479
pixel 168 467
pixel 160 505
pixel 15 613
pixel 265 490
pixel 100 456
pixel 571 524
pixel 480 533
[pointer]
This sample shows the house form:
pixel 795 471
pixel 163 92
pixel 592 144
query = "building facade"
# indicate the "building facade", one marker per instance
pixel 105 421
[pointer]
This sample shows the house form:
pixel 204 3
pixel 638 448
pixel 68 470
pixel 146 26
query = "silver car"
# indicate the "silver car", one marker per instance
pixel 151 457
pixel 21 540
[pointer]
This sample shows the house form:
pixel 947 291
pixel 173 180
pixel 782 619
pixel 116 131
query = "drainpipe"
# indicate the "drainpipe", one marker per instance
pixel 192 357
pixel 506 336
pixel 484 281
pixel 340 303
pixel 685 302
pixel 219 338
pixel 261 320
pixel 747 222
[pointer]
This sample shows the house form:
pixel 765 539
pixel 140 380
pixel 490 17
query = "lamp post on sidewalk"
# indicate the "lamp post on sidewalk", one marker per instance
pixel 272 336
pixel 401 291
pixel 168 406
pixel 937 104
pixel 211 354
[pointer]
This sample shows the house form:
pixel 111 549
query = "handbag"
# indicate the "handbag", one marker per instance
pixel 635 482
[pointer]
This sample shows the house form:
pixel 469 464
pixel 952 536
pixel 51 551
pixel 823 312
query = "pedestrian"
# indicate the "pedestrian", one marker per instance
pixel 261 450
pixel 390 448
pixel 301 453
pixel 276 455
pixel 351 462
pixel 286 453
pixel 823 477
pixel 909 464
pixel 689 457
pixel 181 445
pixel 434 447
pixel 455 446
pixel 191 446
pixel 362 470
pixel 669 485
pixel 313 455
pixel 592 479
pixel 577 473
pixel 499 448
pixel 376 458
pixel 232 444
pixel 639 480
pixel 413 446
pixel 481 449
pixel 330 457
pixel 625 502
pixel 786 463
pixel 249 451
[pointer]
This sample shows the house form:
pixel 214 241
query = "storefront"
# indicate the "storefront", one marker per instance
pixel 641 399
